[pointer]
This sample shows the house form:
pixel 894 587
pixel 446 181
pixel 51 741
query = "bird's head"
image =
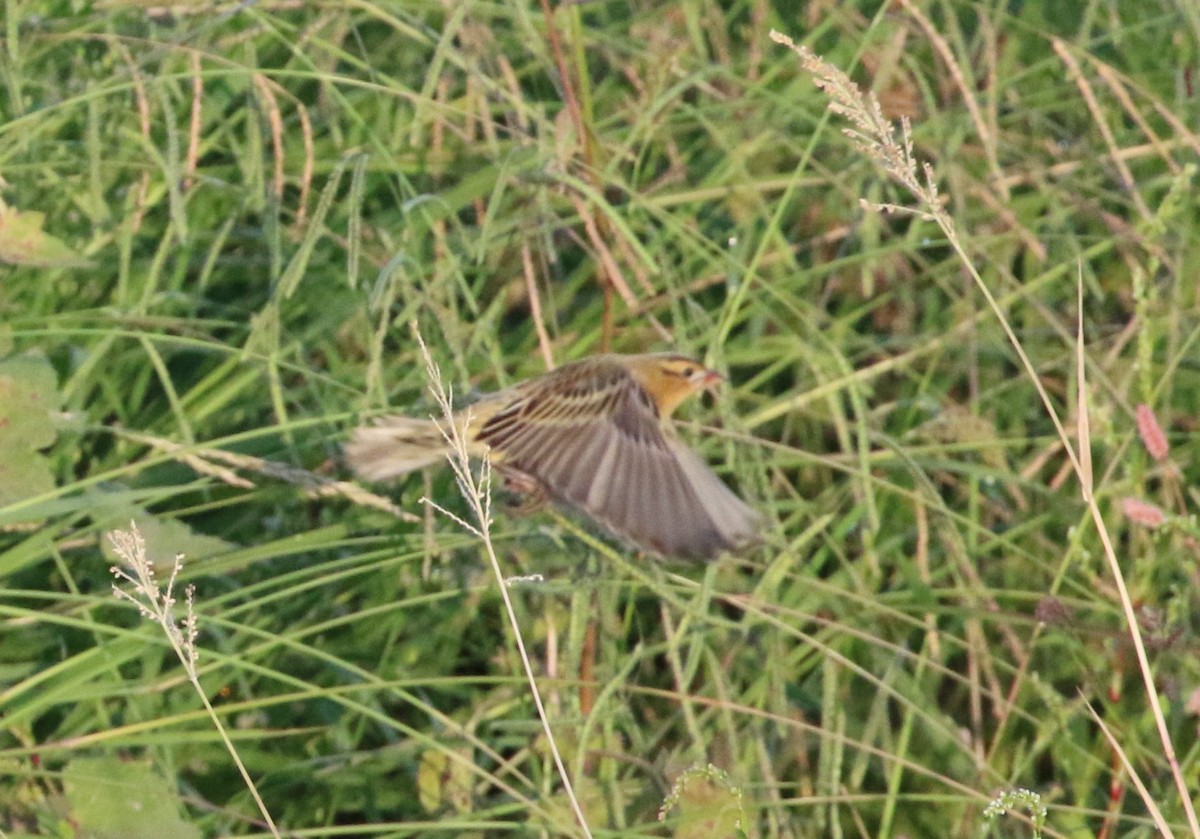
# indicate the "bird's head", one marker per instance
pixel 671 378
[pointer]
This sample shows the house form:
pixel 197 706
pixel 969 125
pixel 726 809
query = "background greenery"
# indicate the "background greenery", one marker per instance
pixel 249 205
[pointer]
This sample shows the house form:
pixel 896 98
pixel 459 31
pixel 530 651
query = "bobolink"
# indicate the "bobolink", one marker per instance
pixel 596 435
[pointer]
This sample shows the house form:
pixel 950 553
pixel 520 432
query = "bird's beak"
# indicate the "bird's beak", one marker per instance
pixel 711 379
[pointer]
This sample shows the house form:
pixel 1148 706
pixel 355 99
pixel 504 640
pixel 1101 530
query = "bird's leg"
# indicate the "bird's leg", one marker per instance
pixel 530 494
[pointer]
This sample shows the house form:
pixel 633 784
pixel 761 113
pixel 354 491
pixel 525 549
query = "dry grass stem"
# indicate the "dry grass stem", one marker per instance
pixel 1128 182
pixel 314 486
pixel 477 493
pixel 535 307
pixel 158 604
pixel 966 90
pixel 615 279
pixel 1156 814
pixel 193 149
pixel 876 137
pixel 1115 84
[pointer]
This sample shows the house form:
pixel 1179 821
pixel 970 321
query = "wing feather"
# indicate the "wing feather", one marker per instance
pixel 731 516
pixel 601 481
pixel 596 442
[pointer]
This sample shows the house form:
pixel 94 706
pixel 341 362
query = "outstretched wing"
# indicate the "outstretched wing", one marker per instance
pixel 595 440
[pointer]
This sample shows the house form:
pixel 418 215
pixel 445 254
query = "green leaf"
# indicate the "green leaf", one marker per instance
pixel 165 538
pixel 23 242
pixel 28 396
pixel 113 799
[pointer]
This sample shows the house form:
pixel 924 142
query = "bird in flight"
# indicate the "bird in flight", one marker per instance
pixel 595 435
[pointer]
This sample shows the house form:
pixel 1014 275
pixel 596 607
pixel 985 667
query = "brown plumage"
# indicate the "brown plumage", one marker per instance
pixel 596 435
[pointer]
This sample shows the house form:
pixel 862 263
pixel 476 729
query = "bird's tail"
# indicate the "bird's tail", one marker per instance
pixel 395 446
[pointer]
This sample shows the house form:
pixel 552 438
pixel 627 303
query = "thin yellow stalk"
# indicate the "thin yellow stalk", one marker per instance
pixel 876 137
pixel 477 492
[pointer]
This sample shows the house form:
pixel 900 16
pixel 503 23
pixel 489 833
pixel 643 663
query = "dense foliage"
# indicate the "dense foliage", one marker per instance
pixel 244 210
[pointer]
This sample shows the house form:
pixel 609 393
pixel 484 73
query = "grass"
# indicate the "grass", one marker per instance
pixel 244 211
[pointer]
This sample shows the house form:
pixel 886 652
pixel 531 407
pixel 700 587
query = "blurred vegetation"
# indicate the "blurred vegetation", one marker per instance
pixel 217 224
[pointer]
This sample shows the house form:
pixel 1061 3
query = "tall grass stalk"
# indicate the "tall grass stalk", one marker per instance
pixel 477 491
pixel 156 603
pixel 876 137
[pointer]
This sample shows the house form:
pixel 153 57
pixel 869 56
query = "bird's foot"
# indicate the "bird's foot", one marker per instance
pixel 529 494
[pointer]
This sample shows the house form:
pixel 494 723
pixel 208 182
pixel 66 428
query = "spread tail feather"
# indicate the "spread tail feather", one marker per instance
pixel 395 446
